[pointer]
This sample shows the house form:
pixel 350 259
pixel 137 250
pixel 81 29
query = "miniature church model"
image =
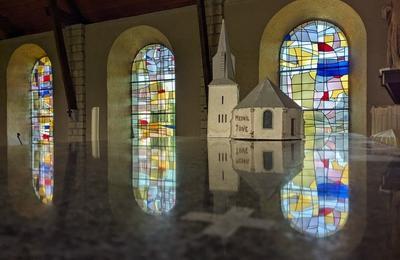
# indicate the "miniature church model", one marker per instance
pixel 223 91
pixel 267 114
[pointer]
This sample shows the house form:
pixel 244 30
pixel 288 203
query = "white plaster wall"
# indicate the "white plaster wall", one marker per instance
pixel 215 108
pixel 23 53
pixel 119 63
pixel 242 123
pixel 270 134
pixel 18 56
pixel 299 124
pixel 18 85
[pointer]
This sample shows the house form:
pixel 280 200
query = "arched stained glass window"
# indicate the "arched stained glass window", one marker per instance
pixel 42 115
pixel 153 92
pixel 153 127
pixel 314 72
pixel 316 201
pixel 42 120
pixel 154 175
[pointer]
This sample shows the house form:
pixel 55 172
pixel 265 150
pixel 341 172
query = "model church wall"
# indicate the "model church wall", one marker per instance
pixel 248 124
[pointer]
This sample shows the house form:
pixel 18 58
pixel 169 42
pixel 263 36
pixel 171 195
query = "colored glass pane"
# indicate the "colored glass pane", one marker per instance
pixel 42 120
pixel 42 114
pixel 154 174
pixel 316 201
pixel 314 70
pixel 153 92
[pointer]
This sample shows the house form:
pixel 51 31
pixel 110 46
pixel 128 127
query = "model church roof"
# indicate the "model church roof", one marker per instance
pixel 266 94
pixel 223 61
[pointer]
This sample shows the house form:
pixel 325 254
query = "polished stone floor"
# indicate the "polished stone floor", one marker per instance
pixel 332 197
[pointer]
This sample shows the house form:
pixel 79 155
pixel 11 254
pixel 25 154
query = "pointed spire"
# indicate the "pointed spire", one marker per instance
pixel 223 61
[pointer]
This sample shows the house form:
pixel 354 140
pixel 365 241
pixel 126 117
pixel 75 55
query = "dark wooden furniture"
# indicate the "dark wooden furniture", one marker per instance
pixel 391 81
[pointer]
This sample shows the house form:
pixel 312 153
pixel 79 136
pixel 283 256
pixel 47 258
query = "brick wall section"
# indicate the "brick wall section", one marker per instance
pixel 214 21
pixel 75 43
pixel 203 109
pixel 214 12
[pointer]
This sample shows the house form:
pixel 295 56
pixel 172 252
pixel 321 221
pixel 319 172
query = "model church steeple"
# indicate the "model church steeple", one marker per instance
pixel 223 61
pixel 223 91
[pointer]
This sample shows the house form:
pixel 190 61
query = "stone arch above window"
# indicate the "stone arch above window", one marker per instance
pixel 336 12
pixel 19 71
pixel 120 58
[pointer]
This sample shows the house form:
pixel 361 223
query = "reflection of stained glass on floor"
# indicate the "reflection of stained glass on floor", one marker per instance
pixel 316 201
pixel 42 102
pixel 43 172
pixel 154 174
pixel 153 92
pixel 314 71
pixel 42 119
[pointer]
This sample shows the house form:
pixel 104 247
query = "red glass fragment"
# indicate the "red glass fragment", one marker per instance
pixel 324 47
pixel 143 122
pixel 46 78
pixel 326 163
pixel 325 97
pixel 325 211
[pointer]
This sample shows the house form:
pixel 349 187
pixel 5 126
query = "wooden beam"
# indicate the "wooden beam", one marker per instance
pixel 8 28
pixel 205 50
pixel 73 5
pixel 66 18
pixel 63 57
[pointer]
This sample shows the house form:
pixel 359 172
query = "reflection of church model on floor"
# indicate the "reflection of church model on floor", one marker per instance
pixel 310 191
pixel 309 187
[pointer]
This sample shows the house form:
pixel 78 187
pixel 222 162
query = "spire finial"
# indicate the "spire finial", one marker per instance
pixel 224 61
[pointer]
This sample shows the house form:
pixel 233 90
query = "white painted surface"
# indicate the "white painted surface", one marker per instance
pixel 222 176
pixel 220 114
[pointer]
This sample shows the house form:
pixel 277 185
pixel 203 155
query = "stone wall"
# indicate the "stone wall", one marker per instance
pixel 75 43
pixel 214 13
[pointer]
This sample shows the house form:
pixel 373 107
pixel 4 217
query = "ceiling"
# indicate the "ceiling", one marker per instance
pixel 21 17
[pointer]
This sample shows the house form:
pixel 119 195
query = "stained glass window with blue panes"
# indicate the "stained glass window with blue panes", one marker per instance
pixel 42 114
pixel 153 92
pixel 314 72
pixel 42 125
